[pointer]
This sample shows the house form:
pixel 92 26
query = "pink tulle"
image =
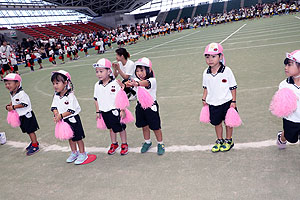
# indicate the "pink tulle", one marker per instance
pixel 63 131
pixel 101 124
pixel 283 103
pixel 13 119
pixel 232 118
pixel 144 98
pixel 121 101
pixel 128 118
pixel 204 114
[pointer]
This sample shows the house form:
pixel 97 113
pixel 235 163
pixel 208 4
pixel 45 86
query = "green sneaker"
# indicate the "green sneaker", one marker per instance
pixel 227 145
pixel 217 146
pixel 160 149
pixel 146 147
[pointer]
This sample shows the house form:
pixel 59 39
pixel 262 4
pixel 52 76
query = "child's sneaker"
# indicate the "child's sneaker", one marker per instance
pixel 124 149
pixel 227 145
pixel 280 144
pixel 81 158
pixel 32 150
pixel 160 149
pixel 73 156
pixel 29 146
pixel 146 147
pixel 2 138
pixel 113 148
pixel 217 146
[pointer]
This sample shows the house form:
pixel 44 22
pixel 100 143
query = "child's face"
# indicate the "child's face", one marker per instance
pixel 141 73
pixel 291 68
pixel 102 73
pixel 59 86
pixel 12 85
pixel 213 60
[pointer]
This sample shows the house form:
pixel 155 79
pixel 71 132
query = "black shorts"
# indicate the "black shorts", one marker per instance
pixel 291 130
pixel 39 60
pixel 76 126
pixel 85 50
pixel 147 117
pixel 217 113
pixel 112 120
pixel 16 68
pixel 29 123
pixel 6 67
pixel 69 53
pixel 74 53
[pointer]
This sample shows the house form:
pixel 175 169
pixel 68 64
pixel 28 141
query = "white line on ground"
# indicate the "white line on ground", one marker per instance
pixel 173 148
pixel 164 43
pixel 233 33
pixel 297 17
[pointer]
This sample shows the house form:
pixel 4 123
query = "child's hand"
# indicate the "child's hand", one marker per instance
pixel 9 107
pixel 232 105
pixel 122 114
pixel 128 83
pixel 98 116
pixel 56 118
pixel 121 84
pixel 134 83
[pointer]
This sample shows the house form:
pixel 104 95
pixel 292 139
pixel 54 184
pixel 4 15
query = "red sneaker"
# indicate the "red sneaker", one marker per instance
pixel 124 149
pixel 113 148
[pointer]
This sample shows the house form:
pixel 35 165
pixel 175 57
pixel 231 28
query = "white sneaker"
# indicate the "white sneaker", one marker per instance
pixel 72 157
pixel 2 138
pixel 81 158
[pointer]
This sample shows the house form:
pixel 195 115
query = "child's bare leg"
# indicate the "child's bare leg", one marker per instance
pixel 158 135
pixel 219 131
pixel 33 137
pixel 282 138
pixel 81 146
pixel 229 131
pixel 113 136
pixel 123 136
pixel 146 132
pixel 72 146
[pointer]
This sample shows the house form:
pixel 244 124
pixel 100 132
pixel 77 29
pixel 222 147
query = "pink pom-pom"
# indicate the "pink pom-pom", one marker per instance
pixel 204 114
pixel 283 103
pixel 232 118
pixel 63 131
pixel 101 124
pixel 128 117
pixel 121 101
pixel 144 98
pixel 13 119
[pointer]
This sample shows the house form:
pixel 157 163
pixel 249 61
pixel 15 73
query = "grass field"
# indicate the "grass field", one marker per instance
pixel 254 169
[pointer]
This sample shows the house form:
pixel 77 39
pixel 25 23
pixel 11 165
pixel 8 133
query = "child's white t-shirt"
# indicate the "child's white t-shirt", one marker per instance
pixel 66 103
pixel 106 95
pixel 219 85
pixel 21 98
pixel 151 88
pixel 289 83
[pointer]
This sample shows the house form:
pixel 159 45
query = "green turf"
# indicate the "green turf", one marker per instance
pixel 255 54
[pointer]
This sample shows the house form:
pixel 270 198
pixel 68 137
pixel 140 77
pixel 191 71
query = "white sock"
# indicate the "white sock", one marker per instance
pixel 160 142
pixel 148 141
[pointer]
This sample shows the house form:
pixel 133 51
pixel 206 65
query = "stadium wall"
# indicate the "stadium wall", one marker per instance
pixel 114 19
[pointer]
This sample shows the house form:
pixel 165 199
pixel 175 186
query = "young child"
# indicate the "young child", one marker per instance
pixel 52 55
pixel 219 93
pixel 291 123
pixel 38 56
pixel 21 103
pixel 14 63
pixel 147 118
pixel 105 92
pixel 66 107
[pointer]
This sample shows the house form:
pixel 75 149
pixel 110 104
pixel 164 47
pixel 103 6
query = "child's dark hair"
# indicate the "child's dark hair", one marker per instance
pixel 123 52
pixel 215 54
pixel 287 60
pixel 61 78
pixel 149 74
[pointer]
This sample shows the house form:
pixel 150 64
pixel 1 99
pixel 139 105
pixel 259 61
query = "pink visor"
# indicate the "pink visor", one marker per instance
pixel 13 77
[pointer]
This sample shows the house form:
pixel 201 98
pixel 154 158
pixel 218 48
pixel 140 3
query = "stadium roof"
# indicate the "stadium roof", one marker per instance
pixel 101 7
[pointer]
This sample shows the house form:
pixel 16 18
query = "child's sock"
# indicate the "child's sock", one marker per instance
pixel 148 141
pixel 35 144
pixel 160 142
